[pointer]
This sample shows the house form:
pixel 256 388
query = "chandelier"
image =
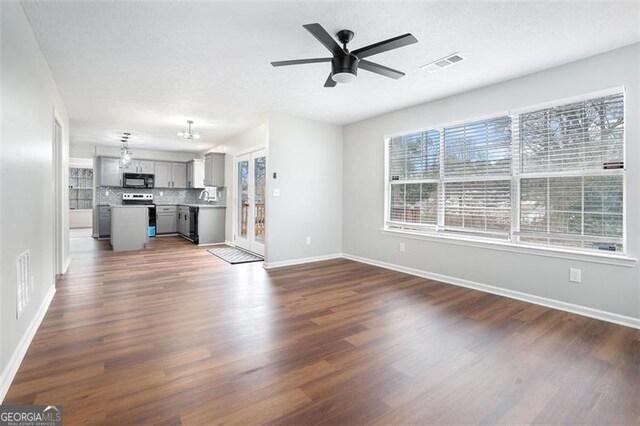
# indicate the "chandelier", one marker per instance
pixel 189 135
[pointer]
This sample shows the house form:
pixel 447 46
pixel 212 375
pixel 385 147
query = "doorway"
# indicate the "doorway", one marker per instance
pixel 250 213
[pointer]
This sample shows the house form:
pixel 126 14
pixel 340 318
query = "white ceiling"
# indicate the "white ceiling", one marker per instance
pixel 148 67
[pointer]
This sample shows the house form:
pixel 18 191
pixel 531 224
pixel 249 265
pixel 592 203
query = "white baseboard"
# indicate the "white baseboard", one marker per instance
pixel 512 294
pixel 282 263
pixel 211 244
pixel 65 267
pixel 12 366
pixel 229 243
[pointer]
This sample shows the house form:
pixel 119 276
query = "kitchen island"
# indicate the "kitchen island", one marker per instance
pixel 129 227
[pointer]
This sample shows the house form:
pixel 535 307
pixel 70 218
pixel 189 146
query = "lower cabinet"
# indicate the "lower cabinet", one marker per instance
pixel 166 220
pixel 104 221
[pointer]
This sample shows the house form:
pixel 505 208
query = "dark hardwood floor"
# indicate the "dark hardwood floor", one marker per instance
pixel 174 335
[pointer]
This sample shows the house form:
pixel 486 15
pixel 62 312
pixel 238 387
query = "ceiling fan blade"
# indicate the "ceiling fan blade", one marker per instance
pixel 379 69
pixel 300 62
pixel 383 46
pixel 325 38
pixel 330 82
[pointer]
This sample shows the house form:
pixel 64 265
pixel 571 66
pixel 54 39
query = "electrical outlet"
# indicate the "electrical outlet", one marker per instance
pixel 308 241
pixel 276 192
pixel 402 247
pixel 106 193
pixel 161 193
pixel 575 275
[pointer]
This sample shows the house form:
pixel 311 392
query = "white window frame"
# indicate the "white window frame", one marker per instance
pixel 435 233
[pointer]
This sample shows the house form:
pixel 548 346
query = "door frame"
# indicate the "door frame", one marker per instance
pixel 234 192
pixel 58 194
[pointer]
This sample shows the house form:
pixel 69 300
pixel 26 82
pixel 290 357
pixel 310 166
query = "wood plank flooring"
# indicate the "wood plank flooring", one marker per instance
pixel 173 335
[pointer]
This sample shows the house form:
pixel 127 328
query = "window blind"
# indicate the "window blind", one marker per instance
pixel 576 154
pixel 552 176
pixel 483 206
pixel 478 148
pixel 415 156
pixel 579 136
pixel 414 168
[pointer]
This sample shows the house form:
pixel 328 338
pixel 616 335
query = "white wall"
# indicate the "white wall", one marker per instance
pixel 29 98
pixel 254 138
pixel 614 289
pixel 307 157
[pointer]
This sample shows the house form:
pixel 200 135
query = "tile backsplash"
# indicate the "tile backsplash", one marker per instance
pixel 169 195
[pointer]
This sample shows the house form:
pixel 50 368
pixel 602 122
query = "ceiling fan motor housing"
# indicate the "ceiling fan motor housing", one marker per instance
pixel 345 64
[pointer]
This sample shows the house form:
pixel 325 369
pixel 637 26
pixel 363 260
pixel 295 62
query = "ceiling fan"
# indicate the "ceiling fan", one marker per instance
pixel 345 64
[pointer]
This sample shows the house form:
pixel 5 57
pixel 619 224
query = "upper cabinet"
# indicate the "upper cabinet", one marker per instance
pixel 109 173
pixel 163 175
pixel 195 174
pixel 167 174
pixel 179 175
pixel 214 169
pixel 171 175
pixel 141 166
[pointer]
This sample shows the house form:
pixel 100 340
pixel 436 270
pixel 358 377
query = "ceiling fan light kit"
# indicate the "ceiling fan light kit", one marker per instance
pixel 345 64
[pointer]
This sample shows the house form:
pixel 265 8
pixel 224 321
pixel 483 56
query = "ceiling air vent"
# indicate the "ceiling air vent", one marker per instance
pixel 442 63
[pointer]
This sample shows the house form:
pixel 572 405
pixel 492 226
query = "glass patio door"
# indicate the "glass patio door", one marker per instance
pixel 251 218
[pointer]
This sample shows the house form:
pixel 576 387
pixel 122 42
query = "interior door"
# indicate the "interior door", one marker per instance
pixel 251 184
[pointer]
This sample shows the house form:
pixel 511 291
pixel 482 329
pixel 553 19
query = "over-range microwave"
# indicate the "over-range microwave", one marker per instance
pixel 137 180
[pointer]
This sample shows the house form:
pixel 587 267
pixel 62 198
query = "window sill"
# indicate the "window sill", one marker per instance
pixel 608 259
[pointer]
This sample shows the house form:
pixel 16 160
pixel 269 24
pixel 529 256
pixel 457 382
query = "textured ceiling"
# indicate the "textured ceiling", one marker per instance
pixel 147 67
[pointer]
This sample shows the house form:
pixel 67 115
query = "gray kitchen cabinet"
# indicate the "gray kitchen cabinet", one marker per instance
pixel 141 166
pixel 195 174
pixel 163 175
pixel 170 175
pixel 178 175
pixel 214 169
pixel 109 172
pixel 147 167
pixel 104 221
pixel 166 220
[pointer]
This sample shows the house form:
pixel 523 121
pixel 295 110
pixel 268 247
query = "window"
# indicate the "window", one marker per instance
pixel 571 187
pixel 80 188
pixel 552 176
pixel 414 167
pixel 477 176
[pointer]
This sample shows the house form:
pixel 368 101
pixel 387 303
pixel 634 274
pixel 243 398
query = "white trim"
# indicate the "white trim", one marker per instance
pixel 229 243
pixel 12 366
pixel 300 261
pixel 511 247
pixel 512 294
pixel 67 262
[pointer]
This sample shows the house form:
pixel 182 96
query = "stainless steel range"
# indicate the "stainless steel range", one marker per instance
pixel 146 199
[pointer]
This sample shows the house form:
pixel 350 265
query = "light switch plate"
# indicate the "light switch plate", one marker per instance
pixel 276 192
pixel 308 241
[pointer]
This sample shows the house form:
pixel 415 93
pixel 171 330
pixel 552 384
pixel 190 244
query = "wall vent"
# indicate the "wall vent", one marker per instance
pixel 24 282
pixel 442 63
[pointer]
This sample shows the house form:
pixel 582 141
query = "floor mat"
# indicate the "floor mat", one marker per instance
pixel 235 256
